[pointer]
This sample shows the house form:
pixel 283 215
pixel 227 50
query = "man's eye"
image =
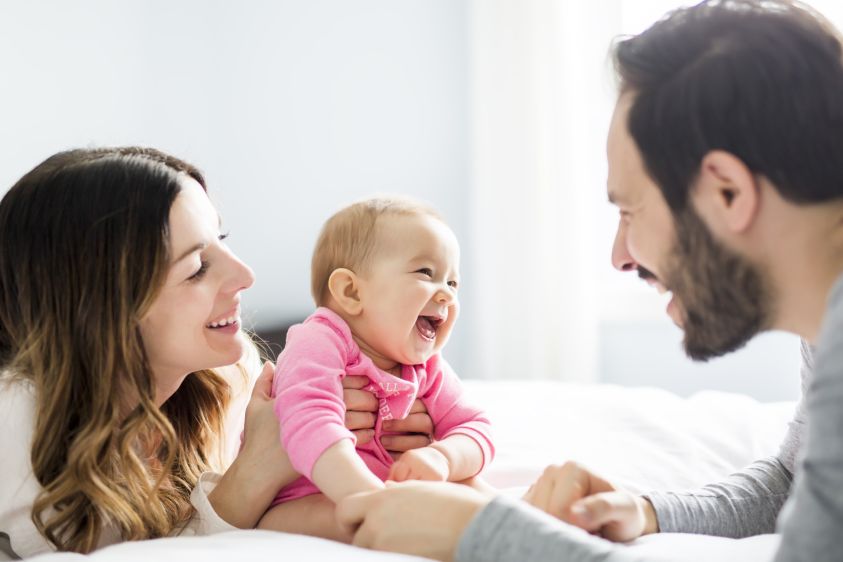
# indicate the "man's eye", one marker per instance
pixel 425 271
pixel 203 268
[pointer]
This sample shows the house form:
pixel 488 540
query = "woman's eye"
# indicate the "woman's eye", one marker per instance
pixel 425 271
pixel 203 267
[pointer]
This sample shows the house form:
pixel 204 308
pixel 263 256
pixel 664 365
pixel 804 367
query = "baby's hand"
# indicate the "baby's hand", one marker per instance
pixel 426 463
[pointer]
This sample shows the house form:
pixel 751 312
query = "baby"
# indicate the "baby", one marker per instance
pixel 385 273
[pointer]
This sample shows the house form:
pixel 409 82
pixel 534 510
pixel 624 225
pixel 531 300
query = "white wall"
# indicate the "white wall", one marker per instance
pixel 292 108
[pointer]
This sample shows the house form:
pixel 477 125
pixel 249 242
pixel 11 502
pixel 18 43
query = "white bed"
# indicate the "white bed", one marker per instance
pixel 642 438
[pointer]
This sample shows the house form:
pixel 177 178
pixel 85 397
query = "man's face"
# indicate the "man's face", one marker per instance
pixel 720 299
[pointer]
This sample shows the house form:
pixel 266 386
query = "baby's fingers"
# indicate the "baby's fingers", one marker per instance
pixel 398 472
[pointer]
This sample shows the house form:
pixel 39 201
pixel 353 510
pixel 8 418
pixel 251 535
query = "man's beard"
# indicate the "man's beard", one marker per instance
pixel 724 300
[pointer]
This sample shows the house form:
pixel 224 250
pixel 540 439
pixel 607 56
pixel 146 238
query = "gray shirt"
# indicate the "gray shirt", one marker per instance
pixel 753 501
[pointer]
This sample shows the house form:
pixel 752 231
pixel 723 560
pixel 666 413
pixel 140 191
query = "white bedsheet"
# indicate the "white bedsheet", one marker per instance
pixel 641 438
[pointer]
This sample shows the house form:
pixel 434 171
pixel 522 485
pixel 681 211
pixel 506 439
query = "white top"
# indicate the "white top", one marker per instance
pixel 19 488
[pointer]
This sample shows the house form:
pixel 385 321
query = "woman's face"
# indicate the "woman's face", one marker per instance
pixel 194 323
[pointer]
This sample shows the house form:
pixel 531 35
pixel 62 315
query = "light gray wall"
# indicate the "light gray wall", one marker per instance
pixel 292 108
pixel 649 353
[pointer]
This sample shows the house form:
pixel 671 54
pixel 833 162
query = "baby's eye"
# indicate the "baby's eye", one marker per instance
pixel 453 284
pixel 425 271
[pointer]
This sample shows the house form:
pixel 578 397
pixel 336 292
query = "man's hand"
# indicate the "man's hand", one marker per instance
pixel 575 495
pixel 426 463
pixel 419 518
pixel 361 407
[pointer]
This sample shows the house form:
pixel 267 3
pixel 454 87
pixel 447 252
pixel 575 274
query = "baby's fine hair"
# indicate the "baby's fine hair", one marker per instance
pixel 348 238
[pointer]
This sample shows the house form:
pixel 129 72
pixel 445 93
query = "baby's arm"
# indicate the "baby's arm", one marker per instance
pixel 465 457
pixel 310 408
pixel 464 445
pixel 340 472
pixel 455 458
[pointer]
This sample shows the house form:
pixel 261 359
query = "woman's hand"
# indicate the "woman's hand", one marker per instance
pixel 361 407
pixel 261 468
pixel 575 495
pixel 262 433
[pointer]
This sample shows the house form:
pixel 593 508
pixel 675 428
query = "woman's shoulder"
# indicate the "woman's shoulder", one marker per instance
pixel 17 416
pixel 17 399
pixel 18 486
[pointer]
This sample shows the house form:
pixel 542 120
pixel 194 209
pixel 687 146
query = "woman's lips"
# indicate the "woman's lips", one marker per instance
pixel 229 328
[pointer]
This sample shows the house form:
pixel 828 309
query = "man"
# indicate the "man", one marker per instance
pixel 726 163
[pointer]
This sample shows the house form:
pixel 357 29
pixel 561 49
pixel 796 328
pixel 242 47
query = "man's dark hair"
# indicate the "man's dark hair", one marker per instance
pixel 760 79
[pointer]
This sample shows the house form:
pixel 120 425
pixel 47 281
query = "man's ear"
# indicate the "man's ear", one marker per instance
pixel 345 291
pixel 726 193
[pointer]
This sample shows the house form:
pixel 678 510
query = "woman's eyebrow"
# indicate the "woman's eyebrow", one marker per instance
pixel 201 245
pixel 196 248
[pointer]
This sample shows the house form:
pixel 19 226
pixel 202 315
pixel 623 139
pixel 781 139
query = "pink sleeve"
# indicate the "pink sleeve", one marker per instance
pixel 451 413
pixel 308 392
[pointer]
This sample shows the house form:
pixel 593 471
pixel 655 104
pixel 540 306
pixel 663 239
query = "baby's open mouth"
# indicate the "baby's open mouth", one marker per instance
pixel 426 326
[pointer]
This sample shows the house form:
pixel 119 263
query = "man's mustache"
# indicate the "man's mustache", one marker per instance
pixel 646 274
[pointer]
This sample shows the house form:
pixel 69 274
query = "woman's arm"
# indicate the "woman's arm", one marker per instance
pixel 262 468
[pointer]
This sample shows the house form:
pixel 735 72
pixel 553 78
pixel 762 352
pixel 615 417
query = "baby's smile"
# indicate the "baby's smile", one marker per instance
pixel 426 326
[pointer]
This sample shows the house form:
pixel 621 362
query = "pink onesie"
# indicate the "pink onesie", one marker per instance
pixel 309 399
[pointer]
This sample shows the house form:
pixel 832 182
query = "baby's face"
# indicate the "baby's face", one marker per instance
pixel 409 294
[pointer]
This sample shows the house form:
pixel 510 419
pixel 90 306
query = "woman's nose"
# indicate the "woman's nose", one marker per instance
pixel 242 277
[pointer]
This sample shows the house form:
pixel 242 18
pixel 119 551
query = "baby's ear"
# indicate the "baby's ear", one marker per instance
pixel 345 291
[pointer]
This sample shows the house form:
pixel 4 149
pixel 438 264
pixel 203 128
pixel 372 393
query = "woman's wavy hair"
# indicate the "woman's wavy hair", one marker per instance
pixel 83 254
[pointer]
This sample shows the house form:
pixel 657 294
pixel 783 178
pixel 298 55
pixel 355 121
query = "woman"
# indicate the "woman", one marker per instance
pixel 119 326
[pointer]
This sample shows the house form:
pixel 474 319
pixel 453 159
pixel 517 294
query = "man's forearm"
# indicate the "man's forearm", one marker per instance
pixel 745 504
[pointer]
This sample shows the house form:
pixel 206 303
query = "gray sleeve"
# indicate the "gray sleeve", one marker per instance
pixel 744 504
pixel 509 529
pixel 812 520
pixel 748 502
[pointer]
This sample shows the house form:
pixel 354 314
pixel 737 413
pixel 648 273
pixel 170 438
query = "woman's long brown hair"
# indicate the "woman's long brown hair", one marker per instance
pixel 83 252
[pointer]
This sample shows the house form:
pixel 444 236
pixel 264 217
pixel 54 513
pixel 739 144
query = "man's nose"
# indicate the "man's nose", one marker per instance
pixel 621 259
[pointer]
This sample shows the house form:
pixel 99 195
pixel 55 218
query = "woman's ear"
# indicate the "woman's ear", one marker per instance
pixel 344 287
pixel 726 193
